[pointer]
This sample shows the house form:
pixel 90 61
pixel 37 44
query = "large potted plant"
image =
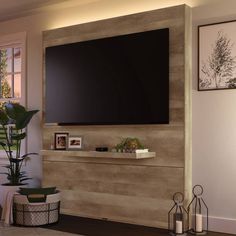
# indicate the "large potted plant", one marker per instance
pixel 15 114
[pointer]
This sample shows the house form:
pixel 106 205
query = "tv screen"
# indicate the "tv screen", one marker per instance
pixel 116 80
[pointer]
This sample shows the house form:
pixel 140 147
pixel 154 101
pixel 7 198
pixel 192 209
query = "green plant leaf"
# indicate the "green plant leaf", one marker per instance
pixel 18 136
pixel 24 179
pixel 28 154
pixel 16 160
pixel 7 166
pixel 18 115
pixel 4 120
pixel 4 173
pixel 3 144
pixel 22 176
pixel 23 119
pixel 14 110
pixel 22 173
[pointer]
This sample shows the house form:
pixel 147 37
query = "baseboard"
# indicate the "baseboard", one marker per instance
pixel 222 225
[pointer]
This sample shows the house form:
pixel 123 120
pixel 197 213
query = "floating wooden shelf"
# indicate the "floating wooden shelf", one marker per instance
pixel 112 155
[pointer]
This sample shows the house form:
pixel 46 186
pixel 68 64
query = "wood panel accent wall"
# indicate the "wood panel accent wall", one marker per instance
pixel 133 191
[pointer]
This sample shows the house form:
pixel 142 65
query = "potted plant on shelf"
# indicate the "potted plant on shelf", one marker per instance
pixel 129 145
pixel 15 114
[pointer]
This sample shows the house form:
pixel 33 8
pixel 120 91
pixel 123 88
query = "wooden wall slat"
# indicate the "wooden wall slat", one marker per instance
pixel 133 191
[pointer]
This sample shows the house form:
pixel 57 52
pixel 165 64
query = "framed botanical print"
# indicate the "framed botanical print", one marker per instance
pixel 217 56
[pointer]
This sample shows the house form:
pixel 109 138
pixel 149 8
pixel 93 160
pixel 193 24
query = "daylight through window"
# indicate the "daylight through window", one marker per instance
pixel 10 74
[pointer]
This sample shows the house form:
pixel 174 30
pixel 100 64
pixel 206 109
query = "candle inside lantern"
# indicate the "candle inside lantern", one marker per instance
pixel 178 229
pixel 198 223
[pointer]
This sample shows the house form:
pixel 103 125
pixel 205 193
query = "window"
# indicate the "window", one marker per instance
pixel 12 72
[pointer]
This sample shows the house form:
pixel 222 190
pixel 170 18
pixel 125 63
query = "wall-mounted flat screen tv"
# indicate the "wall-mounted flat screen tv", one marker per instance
pixel 109 81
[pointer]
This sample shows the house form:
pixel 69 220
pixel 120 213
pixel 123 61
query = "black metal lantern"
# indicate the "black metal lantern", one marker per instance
pixel 177 216
pixel 196 209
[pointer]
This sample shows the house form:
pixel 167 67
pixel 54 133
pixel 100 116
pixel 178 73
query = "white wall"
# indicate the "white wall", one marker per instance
pixel 214 113
pixel 214 132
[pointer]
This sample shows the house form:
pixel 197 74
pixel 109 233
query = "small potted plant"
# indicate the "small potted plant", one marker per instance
pixel 129 145
pixel 16 114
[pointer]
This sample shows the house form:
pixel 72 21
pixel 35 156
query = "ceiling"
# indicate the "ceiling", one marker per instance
pixel 10 9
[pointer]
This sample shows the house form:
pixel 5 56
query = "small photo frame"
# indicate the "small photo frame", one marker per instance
pixel 74 142
pixel 60 141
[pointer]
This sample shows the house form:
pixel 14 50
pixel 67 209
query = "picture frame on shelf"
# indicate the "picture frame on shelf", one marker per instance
pixel 60 140
pixel 74 143
pixel 217 56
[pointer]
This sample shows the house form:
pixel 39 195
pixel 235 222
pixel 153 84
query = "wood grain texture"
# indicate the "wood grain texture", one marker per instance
pixel 168 143
pixel 133 191
pixel 188 106
pixel 112 191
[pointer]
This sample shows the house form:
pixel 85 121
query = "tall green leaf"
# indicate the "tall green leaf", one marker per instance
pixel 23 119
pixel 3 144
pixel 28 155
pixel 14 110
pixel 18 136
pixel 18 115
pixel 3 118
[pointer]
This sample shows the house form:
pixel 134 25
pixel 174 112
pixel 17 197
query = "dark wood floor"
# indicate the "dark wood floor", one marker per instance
pixel 92 227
